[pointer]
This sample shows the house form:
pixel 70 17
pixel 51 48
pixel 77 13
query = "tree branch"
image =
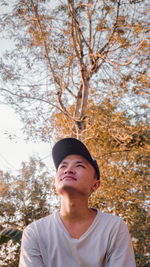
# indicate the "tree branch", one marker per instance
pixel 30 97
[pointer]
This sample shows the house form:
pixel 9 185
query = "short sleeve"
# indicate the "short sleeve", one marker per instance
pixel 30 255
pixel 120 252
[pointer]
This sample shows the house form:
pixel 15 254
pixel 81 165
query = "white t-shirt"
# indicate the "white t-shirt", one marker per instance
pixel 106 243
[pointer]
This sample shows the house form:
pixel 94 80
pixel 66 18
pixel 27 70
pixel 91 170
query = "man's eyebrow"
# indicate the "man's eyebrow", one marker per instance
pixel 64 162
pixel 78 161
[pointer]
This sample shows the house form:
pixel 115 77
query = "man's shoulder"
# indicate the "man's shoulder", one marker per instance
pixel 43 222
pixel 111 222
pixel 109 215
pixel 110 218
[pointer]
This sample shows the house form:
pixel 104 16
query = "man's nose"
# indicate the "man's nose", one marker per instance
pixel 69 169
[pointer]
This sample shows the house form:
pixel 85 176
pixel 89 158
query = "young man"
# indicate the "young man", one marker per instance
pixel 76 235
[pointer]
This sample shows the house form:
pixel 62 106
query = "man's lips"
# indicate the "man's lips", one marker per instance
pixel 68 177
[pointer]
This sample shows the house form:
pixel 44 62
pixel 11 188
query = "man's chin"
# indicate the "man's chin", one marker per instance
pixel 66 188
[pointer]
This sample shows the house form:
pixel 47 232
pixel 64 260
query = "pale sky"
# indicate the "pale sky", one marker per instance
pixel 14 151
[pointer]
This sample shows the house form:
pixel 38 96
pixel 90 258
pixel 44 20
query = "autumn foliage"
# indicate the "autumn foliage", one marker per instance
pixel 80 68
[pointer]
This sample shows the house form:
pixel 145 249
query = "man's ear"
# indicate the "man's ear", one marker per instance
pixel 96 185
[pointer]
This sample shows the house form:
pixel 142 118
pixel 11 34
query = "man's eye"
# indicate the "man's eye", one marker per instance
pixel 62 166
pixel 80 165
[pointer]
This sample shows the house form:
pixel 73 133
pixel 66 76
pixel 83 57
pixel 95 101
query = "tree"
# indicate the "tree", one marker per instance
pixel 69 52
pixel 83 60
pixel 24 197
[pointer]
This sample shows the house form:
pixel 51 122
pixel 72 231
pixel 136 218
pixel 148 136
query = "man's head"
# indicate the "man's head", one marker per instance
pixel 72 146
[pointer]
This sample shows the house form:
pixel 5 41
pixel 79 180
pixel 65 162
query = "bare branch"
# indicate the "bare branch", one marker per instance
pixel 30 98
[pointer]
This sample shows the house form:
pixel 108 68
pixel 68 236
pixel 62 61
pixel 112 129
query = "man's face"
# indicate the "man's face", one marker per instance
pixel 76 174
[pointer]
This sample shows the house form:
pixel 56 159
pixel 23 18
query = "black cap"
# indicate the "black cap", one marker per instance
pixel 69 146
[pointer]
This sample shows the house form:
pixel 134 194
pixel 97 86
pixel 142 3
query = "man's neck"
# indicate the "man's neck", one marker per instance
pixel 76 216
pixel 75 209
